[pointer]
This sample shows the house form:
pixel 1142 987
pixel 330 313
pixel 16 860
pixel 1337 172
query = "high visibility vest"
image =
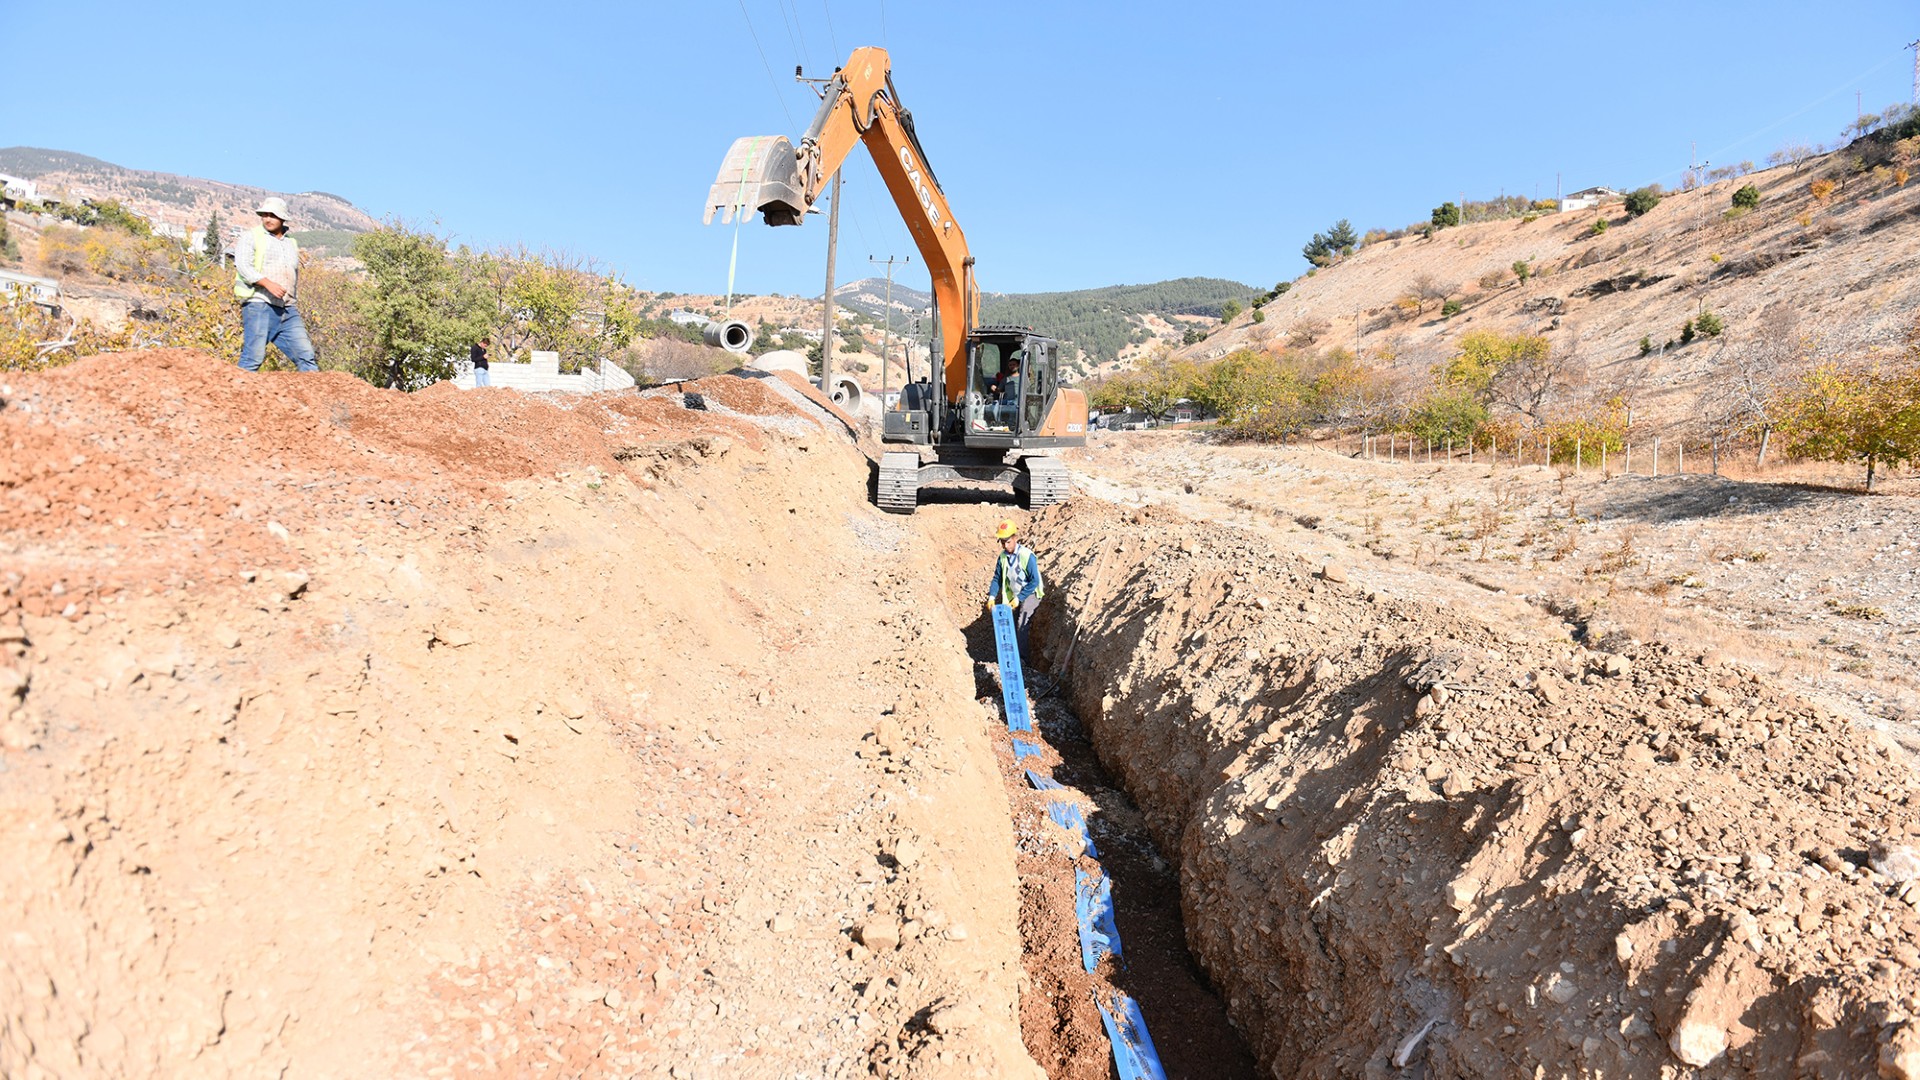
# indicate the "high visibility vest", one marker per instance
pixel 1013 575
pixel 260 237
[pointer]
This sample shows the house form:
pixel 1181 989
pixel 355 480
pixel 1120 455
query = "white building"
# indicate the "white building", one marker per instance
pixel 688 318
pixel 39 290
pixel 543 373
pixel 18 189
pixel 1588 197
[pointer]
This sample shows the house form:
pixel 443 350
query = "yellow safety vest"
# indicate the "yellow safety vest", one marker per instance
pixel 240 287
pixel 1013 575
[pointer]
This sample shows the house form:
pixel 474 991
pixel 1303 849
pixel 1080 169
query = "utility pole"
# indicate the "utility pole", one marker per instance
pixel 887 347
pixel 826 329
pixel 1915 46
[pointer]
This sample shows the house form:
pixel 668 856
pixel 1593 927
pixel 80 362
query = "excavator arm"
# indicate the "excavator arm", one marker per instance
pixel 769 175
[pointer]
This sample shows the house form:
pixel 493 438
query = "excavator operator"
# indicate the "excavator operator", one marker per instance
pixel 1004 390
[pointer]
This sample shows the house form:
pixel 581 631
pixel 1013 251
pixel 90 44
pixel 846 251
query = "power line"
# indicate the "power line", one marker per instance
pixel 832 38
pixel 771 81
pixel 799 54
pixel 792 7
pixel 1821 100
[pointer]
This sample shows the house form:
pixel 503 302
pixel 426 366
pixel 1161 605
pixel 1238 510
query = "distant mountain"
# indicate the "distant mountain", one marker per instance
pixel 1102 323
pixel 326 222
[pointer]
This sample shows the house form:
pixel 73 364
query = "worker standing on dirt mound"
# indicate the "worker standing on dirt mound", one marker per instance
pixel 266 271
pixel 1016 582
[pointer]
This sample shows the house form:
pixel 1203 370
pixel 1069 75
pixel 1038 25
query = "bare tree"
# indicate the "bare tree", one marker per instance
pixel 1427 290
pixel 1537 379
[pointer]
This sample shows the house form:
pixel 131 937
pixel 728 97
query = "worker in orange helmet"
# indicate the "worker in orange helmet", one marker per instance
pixel 1016 582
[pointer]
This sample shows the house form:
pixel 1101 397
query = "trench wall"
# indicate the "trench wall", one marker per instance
pixel 1391 818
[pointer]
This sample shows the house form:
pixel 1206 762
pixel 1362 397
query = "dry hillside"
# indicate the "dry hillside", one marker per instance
pixel 1845 263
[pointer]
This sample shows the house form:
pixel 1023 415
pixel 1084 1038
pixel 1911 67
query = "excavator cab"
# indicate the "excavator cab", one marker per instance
pixel 1012 373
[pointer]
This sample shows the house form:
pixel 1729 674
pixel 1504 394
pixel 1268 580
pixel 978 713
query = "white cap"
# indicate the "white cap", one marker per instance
pixel 274 205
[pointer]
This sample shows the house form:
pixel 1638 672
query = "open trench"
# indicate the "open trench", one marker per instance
pixel 1059 1019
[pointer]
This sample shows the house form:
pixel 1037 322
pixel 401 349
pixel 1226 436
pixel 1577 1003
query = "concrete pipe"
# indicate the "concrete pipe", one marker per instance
pixel 732 335
pixel 781 360
pixel 846 394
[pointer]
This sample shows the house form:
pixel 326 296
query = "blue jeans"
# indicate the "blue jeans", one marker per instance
pixel 262 324
pixel 481 377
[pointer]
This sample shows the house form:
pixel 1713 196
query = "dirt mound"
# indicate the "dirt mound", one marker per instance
pixel 1405 835
pixel 358 733
pixel 178 467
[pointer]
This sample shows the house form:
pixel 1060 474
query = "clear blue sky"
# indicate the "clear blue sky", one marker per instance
pixel 1081 144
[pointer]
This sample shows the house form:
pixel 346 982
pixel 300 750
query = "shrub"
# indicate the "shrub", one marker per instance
pixel 1528 219
pixel 1281 288
pixel 1599 226
pixel 1641 200
pixel 1709 324
pixel 1449 309
pixel 1493 279
pixel 1228 310
pixel 1821 190
pixel 1686 332
pixel 1522 270
pixel 1259 316
pixel 1746 198
pixel 1646 344
pixel 1445 214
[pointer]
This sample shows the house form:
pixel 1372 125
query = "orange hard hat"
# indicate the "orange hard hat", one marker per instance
pixel 1007 528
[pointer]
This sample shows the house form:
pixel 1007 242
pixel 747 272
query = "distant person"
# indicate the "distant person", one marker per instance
pixel 266 273
pixel 1016 582
pixel 478 354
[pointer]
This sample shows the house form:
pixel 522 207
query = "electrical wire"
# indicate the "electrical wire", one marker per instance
pixel 796 31
pixel 1802 110
pixel 832 38
pixel 771 81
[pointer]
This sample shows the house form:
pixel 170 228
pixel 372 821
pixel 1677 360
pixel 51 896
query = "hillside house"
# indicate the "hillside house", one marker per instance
pixel 15 190
pixel 687 318
pixel 1587 198
pixel 38 290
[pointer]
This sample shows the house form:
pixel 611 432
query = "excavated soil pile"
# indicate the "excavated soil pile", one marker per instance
pixel 346 732
pixel 1407 838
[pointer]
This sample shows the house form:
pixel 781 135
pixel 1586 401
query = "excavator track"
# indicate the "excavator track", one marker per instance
pixel 1046 480
pixel 898 491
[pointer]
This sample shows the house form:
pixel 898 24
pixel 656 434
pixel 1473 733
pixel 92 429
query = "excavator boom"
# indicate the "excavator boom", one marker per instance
pixel 768 175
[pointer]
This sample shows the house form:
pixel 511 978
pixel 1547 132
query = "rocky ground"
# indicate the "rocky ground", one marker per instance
pixel 1798 576
pixel 354 733
pixel 1401 796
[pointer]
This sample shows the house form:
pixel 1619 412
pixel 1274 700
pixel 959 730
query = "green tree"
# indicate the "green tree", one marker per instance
pixel 1687 332
pixel 1445 214
pixel 1483 355
pixel 1746 198
pixel 1641 200
pixel 1228 310
pixel 211 245
pixel 1599 226
pixel 1342 237
pixel 1709 324
pixel 1447 414
pixel 1867 415
pixel 1449 309
pixel 9 247
pixel 419 320
pixel 1522 270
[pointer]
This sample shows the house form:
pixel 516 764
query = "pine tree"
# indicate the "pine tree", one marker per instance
pixel 212 243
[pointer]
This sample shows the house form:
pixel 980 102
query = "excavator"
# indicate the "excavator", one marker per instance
pixel 999 407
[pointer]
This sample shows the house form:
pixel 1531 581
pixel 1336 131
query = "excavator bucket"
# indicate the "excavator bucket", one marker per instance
pixel 759 174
